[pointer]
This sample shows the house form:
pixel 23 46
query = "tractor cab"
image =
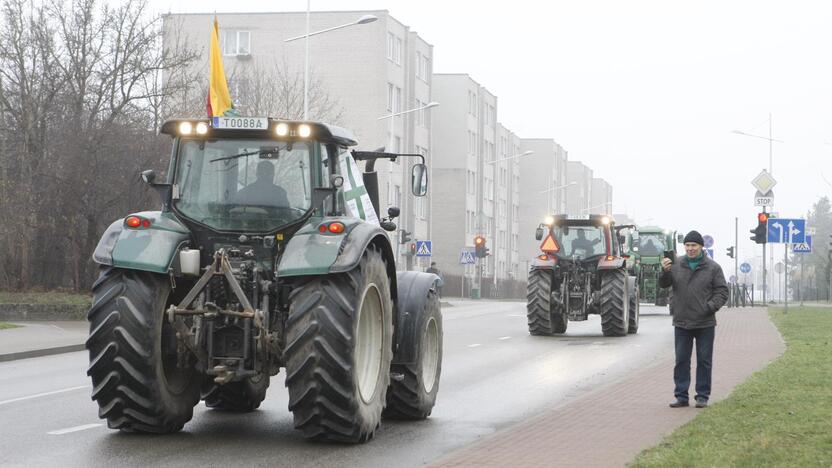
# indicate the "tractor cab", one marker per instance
pixel 578 238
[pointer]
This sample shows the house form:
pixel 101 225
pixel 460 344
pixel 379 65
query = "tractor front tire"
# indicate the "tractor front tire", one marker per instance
pixel 632 328
pixel 544 318
pixel 615 302
pixel 339 337
pixel 143 379
pixel 413 395
pixel 242 396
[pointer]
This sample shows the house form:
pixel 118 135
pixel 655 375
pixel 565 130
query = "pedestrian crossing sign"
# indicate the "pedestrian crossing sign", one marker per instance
pixel 803 247
pixel 423 248
pixel 466 256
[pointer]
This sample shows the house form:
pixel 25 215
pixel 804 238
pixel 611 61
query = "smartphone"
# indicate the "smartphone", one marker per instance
pixel 671 255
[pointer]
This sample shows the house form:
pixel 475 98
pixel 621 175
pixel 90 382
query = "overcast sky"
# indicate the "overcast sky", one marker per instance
pixel 646 93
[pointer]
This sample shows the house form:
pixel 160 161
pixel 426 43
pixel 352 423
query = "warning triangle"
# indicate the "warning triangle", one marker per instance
pixel 550 245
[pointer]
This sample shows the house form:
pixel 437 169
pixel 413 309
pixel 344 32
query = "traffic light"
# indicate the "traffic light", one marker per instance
pixel 479 245
pixel 404 236
pixel 761 231
pixel 730 252
pixel 412 251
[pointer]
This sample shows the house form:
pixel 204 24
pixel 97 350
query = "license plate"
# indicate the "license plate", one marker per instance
pixel 241 123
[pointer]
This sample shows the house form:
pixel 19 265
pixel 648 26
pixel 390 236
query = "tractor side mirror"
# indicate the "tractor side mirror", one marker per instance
pixel 538 234
pixel 419 180
pixel 680 238
pixel 393 212
pixel 149 176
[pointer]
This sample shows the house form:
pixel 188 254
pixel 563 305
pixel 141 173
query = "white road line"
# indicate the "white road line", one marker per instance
pixel 74 429
pixel 516 315
pixel 474 345
pixel 38 395
pixel 504 338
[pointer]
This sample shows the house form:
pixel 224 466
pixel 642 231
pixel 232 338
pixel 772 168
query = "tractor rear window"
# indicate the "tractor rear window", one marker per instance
pixel 651 244
pixel 581 241
pixel 243 185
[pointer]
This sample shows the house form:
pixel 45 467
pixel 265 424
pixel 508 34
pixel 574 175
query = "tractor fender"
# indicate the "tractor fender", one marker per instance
pixel 614 264
pixel 147 249
pixel 311 252
pixel 414 290
pixel 540 264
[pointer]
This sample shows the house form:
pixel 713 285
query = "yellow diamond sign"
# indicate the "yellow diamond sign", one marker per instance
pixel 764 182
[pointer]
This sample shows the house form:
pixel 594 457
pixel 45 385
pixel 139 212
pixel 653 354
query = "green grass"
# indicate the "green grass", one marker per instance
pixel 781 416
pixel 49 297
pixel 4 325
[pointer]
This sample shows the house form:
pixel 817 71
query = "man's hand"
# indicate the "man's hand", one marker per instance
pixel 666 264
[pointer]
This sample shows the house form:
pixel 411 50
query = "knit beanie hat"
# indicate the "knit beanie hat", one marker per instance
pixel 694 236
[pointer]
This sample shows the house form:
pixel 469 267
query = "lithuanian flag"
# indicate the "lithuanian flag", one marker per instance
pixel 219 99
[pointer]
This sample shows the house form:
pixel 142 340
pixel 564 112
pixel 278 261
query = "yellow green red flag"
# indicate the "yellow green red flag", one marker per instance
pixel 219 99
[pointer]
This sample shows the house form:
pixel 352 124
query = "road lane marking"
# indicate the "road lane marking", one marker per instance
pixel 474 345
pixel 38 395
pixel 516 315
pixel 74 429
pixel 504 338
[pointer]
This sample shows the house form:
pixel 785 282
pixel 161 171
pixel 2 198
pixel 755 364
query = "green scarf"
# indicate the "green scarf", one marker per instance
pixel 694 262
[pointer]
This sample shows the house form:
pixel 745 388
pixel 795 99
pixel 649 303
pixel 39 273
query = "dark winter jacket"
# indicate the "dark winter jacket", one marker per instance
pixel 697 294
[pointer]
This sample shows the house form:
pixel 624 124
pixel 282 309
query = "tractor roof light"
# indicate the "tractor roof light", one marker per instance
pixel 281 129
pixel 201 128
pixel 605 220
pixel 610 258
pixel 304 130
pixel 185 128
pixel 549 220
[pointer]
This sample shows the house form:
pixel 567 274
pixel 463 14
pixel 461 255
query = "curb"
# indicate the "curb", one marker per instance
pixel 44 312
pixel 41 352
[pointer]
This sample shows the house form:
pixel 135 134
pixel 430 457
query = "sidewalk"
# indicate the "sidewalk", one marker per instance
pixel 611 425
pixel 34 339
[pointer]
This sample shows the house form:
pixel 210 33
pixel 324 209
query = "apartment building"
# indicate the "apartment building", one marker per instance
pixel 578 188
pixel 600 197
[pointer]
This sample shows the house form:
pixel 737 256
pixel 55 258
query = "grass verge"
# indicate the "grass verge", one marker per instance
pixel 781 416
pixel 48 297
pixel 4 325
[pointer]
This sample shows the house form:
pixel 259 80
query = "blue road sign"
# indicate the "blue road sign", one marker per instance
pixel 745 268
pixel 710 252
pixel 423 248
pixel 709 242
pixel 803 247
pixel 786 231
pixel 466 256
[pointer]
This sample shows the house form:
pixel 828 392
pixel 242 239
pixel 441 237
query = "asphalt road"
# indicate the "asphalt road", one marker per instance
pixel 494 375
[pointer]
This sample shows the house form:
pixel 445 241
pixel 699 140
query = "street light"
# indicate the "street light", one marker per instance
pixel 524 153
pixel 549 199
pixel 405 215
pixel 768 138
pixel 587 210
pixel 362 20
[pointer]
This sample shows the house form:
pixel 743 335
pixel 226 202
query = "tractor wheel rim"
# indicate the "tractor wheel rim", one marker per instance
pixel 430 355
pixel 368 343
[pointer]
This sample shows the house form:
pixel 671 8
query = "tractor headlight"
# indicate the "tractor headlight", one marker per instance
pixel 281 129
pixel 549 220
pixel 605 220
pixel 185 128
pixel 201 128
pixel 304 130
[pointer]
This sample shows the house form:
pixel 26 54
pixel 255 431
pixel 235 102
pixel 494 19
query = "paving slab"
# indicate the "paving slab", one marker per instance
pixel 611 425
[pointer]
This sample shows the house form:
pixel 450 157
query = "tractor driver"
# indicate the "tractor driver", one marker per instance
pixel 650 248
pixel 263 191
pixel 584 244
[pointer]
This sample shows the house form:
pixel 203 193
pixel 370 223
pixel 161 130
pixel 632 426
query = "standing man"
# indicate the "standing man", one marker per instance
pixel 440 279
pixel 699 291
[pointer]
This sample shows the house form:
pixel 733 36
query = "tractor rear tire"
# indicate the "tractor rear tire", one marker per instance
pixel 615 302
pixel 143 381
pixel 243 396
pixel 339 345
pixel 413 396
pixel 544 318
pixel 634 307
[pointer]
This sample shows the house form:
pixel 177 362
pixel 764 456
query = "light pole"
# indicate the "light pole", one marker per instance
pixel 391 140
pixel 362 20
pixel 524 153
pixel 771 172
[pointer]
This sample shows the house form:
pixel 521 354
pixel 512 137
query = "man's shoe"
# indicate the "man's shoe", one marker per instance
pixel 679 404
pixel 701 403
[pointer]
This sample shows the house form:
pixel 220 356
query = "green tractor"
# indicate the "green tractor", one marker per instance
pixel 580 271
pixel 649 245
pixel 268 252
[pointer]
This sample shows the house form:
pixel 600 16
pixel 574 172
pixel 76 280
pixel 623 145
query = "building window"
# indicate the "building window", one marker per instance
pixel 398 100
pixel 391 45
pixel 236 42
pixel 390 94
pixel 422 66
pixel 397 52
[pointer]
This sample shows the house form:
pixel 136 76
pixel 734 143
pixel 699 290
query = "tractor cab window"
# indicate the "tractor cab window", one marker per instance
pixel 651 244
pixel 243 185
pixel 581 241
